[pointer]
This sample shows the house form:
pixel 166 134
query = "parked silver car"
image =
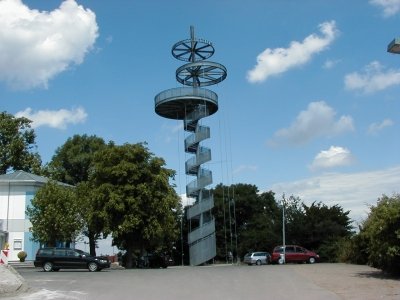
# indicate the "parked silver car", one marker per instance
pixel 257 258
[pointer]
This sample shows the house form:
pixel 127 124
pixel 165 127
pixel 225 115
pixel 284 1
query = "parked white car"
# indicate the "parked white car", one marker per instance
pixel 257 258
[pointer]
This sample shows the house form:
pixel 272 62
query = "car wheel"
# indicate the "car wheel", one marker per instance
pixel 48 266
pixel 92 267
pixel 281 261
pixel 311 260
pixel 258 262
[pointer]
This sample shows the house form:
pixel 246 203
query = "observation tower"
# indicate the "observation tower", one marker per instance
pixel 191 103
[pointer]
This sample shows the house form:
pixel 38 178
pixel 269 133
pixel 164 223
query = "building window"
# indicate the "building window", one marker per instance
pixel 17 244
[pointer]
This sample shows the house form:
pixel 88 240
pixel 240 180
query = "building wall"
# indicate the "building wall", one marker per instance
pixel 14 199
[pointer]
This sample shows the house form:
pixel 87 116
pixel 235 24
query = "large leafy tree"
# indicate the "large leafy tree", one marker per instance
pixel 72 161
pixel 316 226
pixel 380 232
pixel 135 198
pixel 245 218
pixel 54 214
pixel 71 164
pixel 17 145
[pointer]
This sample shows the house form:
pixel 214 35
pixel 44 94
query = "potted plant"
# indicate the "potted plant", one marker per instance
pixel 22 255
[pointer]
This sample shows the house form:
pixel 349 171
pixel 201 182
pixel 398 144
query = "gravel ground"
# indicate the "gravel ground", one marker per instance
pixel 343 281
pixel 353 281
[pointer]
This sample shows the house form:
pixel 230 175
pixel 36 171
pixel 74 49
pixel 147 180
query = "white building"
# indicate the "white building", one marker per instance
pixel 16 193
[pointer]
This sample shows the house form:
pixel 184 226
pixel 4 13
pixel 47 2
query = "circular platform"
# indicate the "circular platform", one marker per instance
pixel 179 102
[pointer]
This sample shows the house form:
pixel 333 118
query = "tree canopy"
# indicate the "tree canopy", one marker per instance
pixel 17 145
pixel 54 214
pixel 72 161
pixel 72 164
pixel 135 197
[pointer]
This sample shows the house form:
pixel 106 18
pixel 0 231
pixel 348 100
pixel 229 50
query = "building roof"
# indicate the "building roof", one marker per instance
pixel 22 177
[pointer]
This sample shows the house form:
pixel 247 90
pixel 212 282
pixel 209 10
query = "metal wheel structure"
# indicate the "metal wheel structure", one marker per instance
pixel 191 104
pixel 201 73
pixel 192 49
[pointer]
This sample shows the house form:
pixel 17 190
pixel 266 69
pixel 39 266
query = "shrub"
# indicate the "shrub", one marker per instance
pixel 380 235
pixel 22 255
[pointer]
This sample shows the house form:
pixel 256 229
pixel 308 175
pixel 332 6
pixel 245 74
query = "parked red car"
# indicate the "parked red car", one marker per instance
pixel 293 253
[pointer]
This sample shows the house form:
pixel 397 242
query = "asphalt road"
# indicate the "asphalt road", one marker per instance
pixel 225 282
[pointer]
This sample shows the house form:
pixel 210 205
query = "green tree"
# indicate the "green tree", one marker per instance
pixel 54 214
pixel 381 233
pixel 17 145
pixel 325 228
pixel 72 161
pixel 317 227
pixel 252 216
pixel 135 198
pixel 71 164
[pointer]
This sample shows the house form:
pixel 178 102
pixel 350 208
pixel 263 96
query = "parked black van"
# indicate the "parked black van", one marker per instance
pixel 54 259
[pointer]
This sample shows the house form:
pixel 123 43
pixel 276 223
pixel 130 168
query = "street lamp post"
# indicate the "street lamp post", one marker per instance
pixel 283 229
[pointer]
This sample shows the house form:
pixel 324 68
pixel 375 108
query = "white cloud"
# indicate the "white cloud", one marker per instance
pixel 276 61
pixel 54 118
pixel 318 120
pixel 374 78
pixel 329 64
pixel 331 158
pixel 390 7
pixel 374 128
pixel 186 200
pixel 244 168
pixel 352 192
pixel 36 46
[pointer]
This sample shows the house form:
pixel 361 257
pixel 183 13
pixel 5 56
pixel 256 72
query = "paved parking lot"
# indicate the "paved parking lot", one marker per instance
pixel 225 282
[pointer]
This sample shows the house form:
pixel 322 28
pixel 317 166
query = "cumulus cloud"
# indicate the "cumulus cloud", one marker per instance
pixel 37 46
pixel 353 191
pixel 373 78
pixel 390 7
pixel 374 128
pixel 333 157
pixel 276 61
pixel 54 118
pixel 318 120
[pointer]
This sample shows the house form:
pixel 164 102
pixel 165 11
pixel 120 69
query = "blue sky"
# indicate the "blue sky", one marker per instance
pixel 310 105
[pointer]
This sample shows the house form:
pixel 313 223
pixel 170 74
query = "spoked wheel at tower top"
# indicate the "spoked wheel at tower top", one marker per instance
pixel 193 49
pixel 191 104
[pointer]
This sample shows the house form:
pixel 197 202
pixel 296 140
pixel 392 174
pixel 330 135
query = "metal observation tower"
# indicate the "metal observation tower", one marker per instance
pixel 191 103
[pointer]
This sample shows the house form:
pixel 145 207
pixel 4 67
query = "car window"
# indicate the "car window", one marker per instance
pixel 46 251
pixel 80 252
pixel 278 249
pixel 72 253
pixel 59 252
pixel 300 250
pixel 289 249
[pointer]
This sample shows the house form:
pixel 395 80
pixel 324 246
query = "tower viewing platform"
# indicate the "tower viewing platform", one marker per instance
pixel 191 103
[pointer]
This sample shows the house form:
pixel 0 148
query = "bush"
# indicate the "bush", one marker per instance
pixel 380 235
pixel 22 255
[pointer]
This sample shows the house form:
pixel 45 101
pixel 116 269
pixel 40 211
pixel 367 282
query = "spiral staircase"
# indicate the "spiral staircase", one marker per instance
pixel 191 104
